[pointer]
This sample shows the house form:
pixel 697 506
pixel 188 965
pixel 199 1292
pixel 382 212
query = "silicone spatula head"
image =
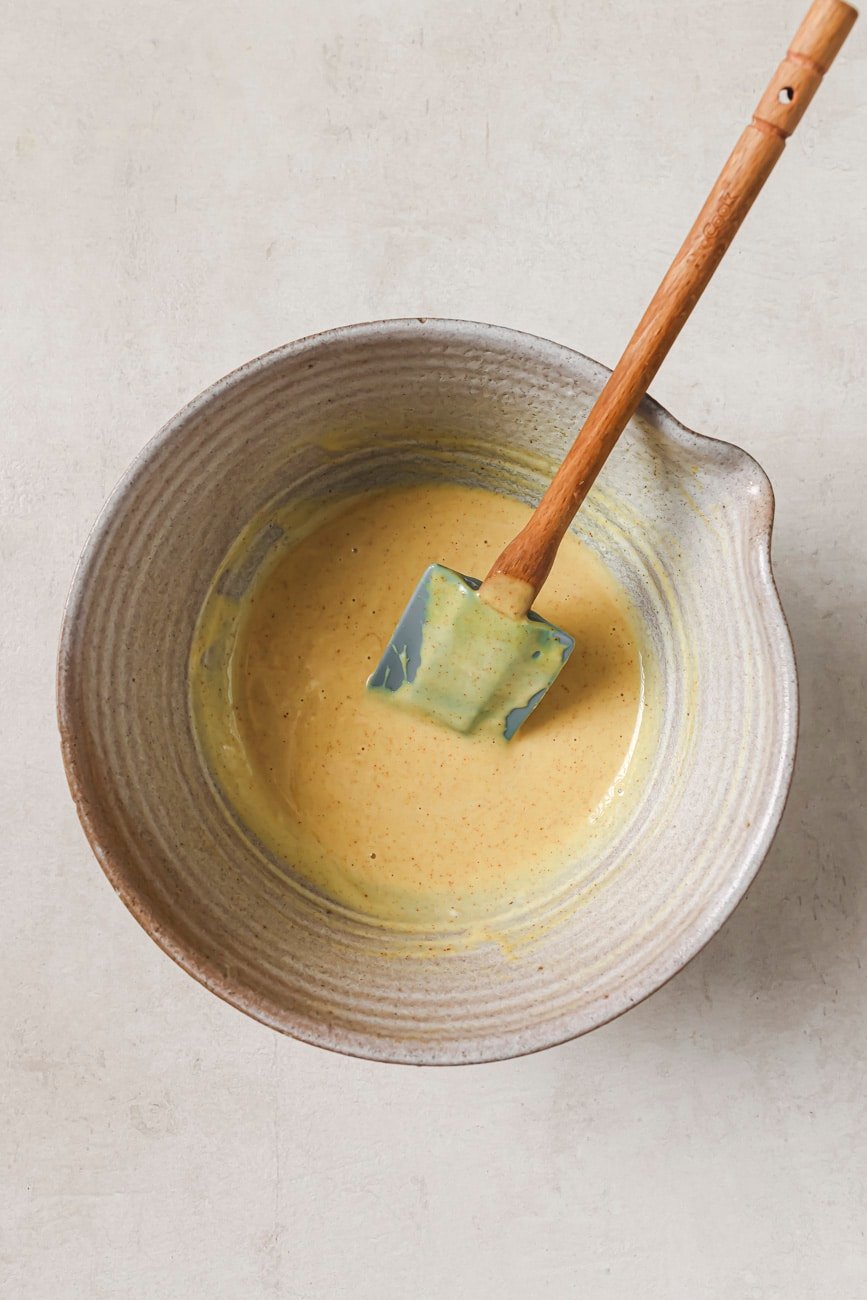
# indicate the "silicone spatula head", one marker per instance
pixel 456 660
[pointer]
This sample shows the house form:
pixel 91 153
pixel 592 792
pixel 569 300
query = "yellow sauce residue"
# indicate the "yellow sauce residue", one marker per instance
pixel 376 807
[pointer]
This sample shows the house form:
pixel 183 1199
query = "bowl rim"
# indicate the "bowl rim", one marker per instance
pixel 317 1033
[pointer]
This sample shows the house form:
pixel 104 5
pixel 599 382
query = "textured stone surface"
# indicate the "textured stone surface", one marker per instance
pixel 185 186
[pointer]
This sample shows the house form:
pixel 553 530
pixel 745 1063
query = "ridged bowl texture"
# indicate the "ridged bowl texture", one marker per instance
pixel 683 521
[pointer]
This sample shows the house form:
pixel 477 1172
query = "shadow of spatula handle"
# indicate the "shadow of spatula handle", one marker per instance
pixel 519 572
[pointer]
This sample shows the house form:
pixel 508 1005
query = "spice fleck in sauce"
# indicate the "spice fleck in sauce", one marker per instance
pixel 374 806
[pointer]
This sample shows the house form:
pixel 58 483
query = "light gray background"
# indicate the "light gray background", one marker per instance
pixel 186 185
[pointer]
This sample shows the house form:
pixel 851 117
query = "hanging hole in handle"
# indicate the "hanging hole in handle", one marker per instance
pixel 786 95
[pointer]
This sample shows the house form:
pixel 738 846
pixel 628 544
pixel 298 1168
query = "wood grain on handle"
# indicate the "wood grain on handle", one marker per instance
pixel 523 566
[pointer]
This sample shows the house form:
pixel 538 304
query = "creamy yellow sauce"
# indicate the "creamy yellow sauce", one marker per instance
pixel 376 807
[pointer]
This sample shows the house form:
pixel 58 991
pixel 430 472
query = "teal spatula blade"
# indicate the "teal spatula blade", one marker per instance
pixel 458 661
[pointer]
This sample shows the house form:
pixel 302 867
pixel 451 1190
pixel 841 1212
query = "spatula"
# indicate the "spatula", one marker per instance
pixel 471 654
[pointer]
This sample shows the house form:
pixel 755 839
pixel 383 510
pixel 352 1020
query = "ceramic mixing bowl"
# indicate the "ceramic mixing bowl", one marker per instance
pixel 682 520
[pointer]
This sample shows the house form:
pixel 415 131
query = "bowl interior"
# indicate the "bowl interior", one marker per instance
pixel 684 522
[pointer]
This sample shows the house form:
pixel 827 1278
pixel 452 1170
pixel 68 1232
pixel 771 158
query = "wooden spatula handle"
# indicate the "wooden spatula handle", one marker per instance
pixel 528 559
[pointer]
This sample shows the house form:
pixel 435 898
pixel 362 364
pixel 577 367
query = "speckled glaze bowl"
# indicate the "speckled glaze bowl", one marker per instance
pixel 683 521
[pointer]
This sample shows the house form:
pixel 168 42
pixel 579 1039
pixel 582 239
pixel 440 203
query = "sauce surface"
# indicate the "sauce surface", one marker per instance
pixel 377 807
